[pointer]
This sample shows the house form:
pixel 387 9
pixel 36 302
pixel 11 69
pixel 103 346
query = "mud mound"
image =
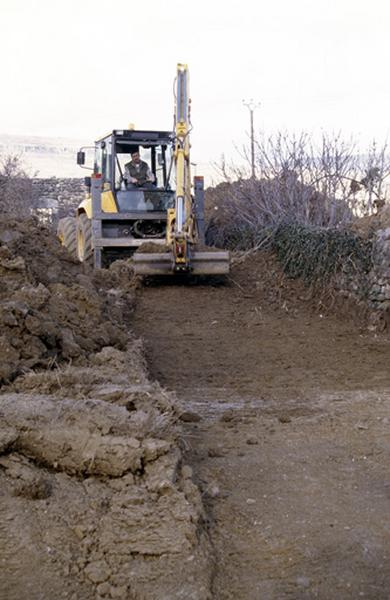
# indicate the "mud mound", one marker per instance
pixel 153 248
pixel 95 500
pixel 53 309
pixel 100 482
pixel 45 260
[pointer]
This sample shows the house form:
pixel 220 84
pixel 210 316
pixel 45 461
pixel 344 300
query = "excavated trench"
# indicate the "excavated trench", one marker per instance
pixel 287 416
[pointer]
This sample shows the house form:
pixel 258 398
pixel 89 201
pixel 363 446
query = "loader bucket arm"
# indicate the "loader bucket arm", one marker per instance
pixel 185 227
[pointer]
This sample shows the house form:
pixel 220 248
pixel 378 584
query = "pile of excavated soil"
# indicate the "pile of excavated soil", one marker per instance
pixel 43 259
pixel 53 309
pixel 96 502
pixel 153 248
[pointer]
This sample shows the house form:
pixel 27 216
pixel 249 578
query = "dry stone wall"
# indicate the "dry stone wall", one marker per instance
pixel 372 288
pixel 379 277
pixel 56 198
pixel 353 262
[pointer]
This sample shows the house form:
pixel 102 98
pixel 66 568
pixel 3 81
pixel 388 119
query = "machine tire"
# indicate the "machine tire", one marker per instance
pixel 66 231
pixel 84 239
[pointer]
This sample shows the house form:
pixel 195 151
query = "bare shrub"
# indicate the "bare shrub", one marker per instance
pixel 15 187
pixel 324 185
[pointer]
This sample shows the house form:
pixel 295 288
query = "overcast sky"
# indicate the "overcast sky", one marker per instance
pixel 81 68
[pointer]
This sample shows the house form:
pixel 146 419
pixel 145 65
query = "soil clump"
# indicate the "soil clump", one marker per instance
pixel 95 498
pixel 53 309
pixel 153 248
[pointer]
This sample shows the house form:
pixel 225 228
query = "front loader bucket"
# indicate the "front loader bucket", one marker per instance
pixel 210 263
pixel 202 263
pixel 152 264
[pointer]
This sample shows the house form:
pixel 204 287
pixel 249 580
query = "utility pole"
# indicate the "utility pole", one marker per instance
pixel 252 105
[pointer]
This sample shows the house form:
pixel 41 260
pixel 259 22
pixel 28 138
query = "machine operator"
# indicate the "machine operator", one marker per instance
pixel 137 172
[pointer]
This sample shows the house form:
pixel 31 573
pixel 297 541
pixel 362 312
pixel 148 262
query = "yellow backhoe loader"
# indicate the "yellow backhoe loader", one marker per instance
pixel 120 215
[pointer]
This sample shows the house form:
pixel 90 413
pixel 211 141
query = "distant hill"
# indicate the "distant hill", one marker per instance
pixel 44 156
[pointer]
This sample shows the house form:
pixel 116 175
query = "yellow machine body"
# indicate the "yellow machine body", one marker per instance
pixel 108 204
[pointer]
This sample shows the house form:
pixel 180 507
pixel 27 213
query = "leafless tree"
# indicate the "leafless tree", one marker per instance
pixel 324 185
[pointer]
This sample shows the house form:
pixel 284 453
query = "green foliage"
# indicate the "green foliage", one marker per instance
pixel 315 254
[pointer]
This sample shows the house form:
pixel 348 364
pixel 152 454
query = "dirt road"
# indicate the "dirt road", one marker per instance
pixel 288 432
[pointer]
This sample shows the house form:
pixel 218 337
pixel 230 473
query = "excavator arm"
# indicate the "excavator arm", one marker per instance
pixel 182 230
pixel 182 235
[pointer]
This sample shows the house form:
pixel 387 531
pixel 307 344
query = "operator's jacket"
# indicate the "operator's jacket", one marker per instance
pixel 140 171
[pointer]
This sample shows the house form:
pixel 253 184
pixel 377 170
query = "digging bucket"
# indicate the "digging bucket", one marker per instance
pixel 202 263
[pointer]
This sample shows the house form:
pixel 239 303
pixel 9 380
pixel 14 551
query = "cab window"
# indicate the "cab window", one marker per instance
pixel 106 160
pixel 98 159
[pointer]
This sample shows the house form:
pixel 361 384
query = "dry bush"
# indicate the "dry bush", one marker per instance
pixel 15 188
pixel 327 185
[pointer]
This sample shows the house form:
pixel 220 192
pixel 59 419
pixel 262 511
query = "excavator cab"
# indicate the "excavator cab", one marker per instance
pixel 116 218
pixel 113 152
